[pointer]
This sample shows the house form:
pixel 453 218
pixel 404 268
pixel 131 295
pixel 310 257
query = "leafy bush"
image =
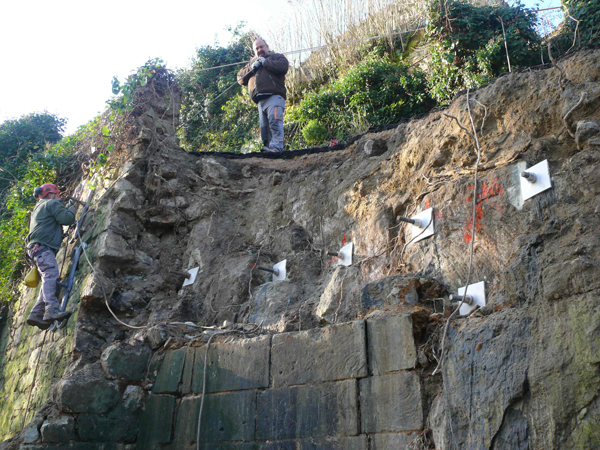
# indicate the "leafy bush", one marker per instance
pixel 152 72
pixel 19 138
pixel 42 167
pixel 314 132
pixel 374 92
pixel 588 31
pixel 214 115
pixel 467 44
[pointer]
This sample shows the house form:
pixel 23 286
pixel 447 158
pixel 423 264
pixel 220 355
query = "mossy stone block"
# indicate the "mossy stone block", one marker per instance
pixel 311 411
pixel 118 425
pixel 233 366
pixel 323 354
pixel 391 403
pixel 156 421
pixel 169 374
pixel 126 362
pixel 61 429
pixel 225 417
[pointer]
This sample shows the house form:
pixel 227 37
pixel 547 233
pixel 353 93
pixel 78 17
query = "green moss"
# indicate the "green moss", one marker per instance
pixel 18 377
pixel 101 219
pixel 587 435
pixel 5 421
pixel 413 41
pixel 570 332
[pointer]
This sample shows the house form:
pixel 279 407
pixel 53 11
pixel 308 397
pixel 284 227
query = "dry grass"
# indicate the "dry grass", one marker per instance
pixel 316 23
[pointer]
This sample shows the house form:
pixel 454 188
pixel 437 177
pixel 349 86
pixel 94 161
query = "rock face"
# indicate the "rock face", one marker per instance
pixel 125 361
pixel 337 357
pixel 61 429
pixel 87 392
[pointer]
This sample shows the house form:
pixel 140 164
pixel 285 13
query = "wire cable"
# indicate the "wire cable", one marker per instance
pixel 441 362
pixel 310 49
pixel 204 383
pixel 335 44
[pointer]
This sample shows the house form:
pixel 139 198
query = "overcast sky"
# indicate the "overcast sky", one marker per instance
pixel 61 55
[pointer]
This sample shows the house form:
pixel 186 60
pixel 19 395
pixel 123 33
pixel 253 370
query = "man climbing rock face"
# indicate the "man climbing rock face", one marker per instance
pixel 43 241
pixel 265 78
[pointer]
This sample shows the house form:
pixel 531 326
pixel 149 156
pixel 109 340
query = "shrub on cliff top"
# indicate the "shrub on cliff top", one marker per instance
pixel 467 44
pixel 374 92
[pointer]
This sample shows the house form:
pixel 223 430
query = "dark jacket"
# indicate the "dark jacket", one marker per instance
pixel 268 80
pixel 47 219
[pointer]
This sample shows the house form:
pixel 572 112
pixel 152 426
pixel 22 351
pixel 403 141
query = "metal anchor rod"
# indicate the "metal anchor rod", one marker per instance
pixel 529 176
pixel 268 269
pixel 182 274
pixel 457 298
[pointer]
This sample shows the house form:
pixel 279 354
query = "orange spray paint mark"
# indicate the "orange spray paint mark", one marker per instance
pixel 488 191
pixel 335 258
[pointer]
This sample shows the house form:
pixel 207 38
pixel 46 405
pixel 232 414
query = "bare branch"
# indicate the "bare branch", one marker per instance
pixel 575 33
pixel 230 191
pixel 505 44
pixel 10 173
pixel 562 72
pixel 471 251
pixel 568 115
pixel 484 115
pixel 460 125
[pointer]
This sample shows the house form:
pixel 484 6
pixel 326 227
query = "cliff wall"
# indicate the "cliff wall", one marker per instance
pixel 522 372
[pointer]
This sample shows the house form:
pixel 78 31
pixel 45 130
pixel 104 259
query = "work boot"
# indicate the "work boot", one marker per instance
pixel 37 320
pixel 269 150
pixel 53 314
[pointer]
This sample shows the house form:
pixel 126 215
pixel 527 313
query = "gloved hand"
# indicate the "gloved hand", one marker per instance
pixel 257 64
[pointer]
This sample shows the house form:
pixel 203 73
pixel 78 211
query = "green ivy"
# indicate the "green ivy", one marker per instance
pixel 314 132
pixel 216 114
pixel 588 31
pixel 374 92
pixel 154 70
pixel 467 44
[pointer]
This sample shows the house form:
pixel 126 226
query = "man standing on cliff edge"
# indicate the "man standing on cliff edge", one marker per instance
pixel 43 241
pixel 265 78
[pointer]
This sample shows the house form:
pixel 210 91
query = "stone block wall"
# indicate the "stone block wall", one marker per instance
pixel 347 386
pixel 23 389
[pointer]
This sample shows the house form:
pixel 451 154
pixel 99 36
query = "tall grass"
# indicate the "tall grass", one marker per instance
pixel 315 23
